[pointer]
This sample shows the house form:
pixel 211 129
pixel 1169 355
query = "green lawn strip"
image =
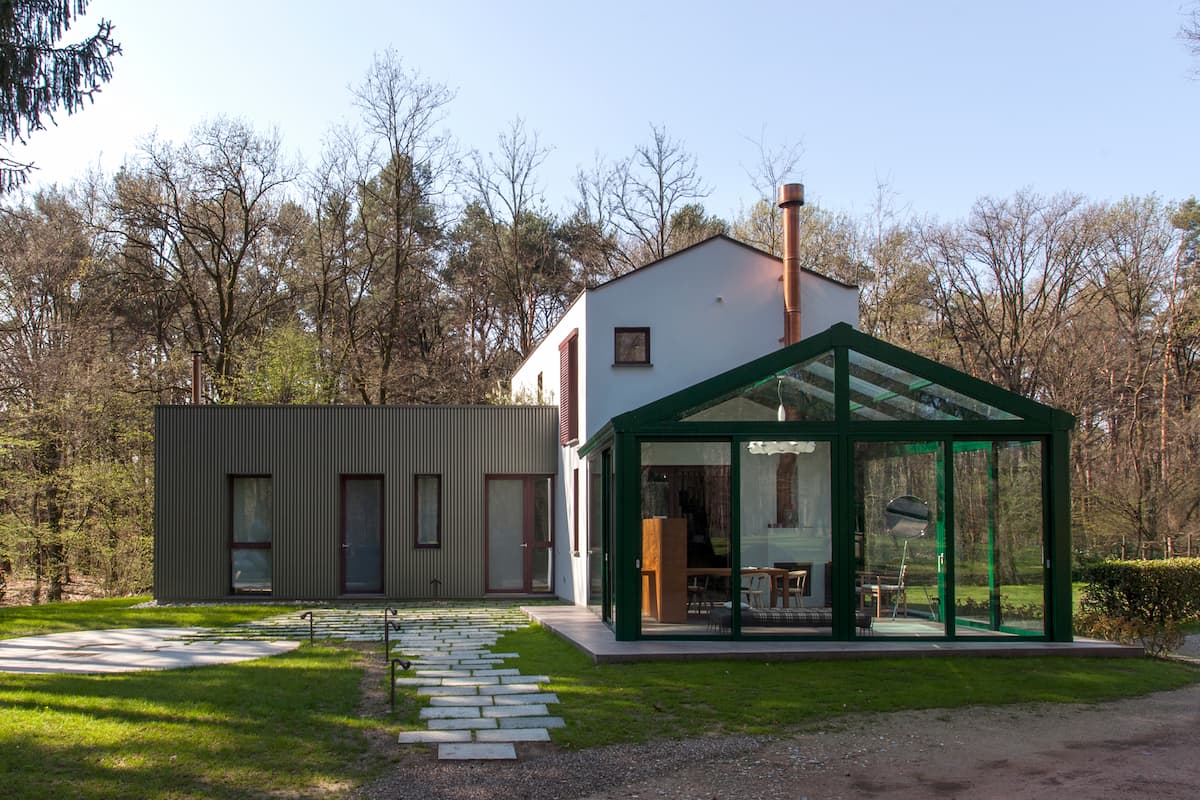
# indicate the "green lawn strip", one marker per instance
pixel 607 704
pixel 1019 595
pixel 281 725
pixel 117 613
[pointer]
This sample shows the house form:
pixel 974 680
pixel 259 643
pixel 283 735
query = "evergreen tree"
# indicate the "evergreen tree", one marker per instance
pixel 39 77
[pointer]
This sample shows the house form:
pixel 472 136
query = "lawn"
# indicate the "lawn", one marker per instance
pixel 118 613
pixel 282 725
pixel 291 726
pixel 613 703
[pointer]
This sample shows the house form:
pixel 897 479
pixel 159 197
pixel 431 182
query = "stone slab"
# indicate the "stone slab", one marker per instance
pixel 450 712
pixel 477 751
pixel 447 691
pixel 509 688
pixel 530 722
pixel 515 711
pixel 465 700
pixel 467 724
pixel 524 699
pixel 514 735
pixel 459 681
pixel 435 737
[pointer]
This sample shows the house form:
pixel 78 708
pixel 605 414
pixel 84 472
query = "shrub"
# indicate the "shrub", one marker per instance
pixel 1156 638
pixel 1142 602
pixel 1156 591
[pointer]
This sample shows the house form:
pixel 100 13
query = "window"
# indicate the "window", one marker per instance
pixel 631 346
pixel 568 380
pixel 250 534
pixel 575 507
pixel 427 503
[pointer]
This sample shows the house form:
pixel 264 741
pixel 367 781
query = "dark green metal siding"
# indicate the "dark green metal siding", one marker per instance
pixel 305 450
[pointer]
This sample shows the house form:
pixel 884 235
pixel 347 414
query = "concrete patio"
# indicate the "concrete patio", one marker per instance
pixel 584 629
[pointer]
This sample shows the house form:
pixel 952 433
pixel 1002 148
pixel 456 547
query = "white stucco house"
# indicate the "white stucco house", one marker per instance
pixel 649 333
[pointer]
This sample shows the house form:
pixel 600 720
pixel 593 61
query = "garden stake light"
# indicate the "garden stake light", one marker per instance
pixel 387 646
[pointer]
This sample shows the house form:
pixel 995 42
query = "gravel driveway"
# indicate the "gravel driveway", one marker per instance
pixel 1139 747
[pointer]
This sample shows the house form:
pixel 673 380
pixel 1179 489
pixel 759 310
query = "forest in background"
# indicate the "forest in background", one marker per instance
pixel 397 269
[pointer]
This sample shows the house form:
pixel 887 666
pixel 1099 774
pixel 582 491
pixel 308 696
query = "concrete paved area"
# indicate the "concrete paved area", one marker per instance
pixel 584 629
pixel 128 650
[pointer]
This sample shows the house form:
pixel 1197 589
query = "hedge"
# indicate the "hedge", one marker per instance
pixel 1158 592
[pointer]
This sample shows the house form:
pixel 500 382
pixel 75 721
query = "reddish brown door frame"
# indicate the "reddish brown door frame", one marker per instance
pixel 342 527
pixel 527 537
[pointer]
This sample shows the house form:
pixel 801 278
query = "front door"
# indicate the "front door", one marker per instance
pixel 519 524
pixel 362 534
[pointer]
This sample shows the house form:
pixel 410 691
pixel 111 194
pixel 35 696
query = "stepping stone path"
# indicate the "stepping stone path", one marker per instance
pixel 479 708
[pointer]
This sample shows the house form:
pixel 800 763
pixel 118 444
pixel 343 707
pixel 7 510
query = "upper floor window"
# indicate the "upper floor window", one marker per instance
pixel 631 346
pixel 568 383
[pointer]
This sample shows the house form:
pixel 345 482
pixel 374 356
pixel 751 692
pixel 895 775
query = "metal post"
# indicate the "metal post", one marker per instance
pixel 387 645
pixel 197 355
pixel 993 513
pixel 309 616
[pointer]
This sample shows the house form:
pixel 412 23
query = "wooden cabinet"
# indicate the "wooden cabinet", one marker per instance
pixel 664 569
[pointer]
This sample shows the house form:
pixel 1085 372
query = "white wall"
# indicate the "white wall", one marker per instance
pixel 709 308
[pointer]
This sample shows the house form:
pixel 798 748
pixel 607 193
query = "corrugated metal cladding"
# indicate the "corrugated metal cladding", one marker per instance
pixel 306 450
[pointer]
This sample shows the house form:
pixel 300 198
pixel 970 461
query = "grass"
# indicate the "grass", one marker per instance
pixel 289 725
pixel 608 704
pixel 282 725
pixel 117 613
pixel 1011 594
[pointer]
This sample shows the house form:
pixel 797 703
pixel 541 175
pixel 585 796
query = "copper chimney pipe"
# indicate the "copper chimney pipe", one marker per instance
pixel 791 197
pixel 196 356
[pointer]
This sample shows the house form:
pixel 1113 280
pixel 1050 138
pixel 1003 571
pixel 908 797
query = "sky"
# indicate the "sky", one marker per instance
pixel 942 102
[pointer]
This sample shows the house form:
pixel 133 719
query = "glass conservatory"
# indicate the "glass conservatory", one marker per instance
pixel 839 488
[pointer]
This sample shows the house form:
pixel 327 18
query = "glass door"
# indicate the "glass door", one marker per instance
pixel 786 538
pixel 519 541
pixel 362 534
pixel 899 539
pixel 999 572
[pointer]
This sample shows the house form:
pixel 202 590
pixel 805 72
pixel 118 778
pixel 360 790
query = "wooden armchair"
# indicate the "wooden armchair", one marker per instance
pixel 883 584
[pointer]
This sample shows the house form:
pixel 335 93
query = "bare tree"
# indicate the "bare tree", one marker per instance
pixel 1190 33
pixel 761 225
pixel 526 266
pixel 202 220
pixel 589 232
pixel 402 167
pixel 650 186
pixel 1005 281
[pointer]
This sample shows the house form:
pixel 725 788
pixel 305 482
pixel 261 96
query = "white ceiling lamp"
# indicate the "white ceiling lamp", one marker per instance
pixel 778 448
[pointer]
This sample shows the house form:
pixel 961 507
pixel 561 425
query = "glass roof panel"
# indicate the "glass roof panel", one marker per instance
pixel 800 392
pixel 884 392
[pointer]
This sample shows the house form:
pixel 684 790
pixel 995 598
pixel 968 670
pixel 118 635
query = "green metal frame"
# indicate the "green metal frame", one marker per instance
pixel 659 420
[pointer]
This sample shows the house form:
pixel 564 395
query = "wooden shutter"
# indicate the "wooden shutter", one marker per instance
pixel 568 382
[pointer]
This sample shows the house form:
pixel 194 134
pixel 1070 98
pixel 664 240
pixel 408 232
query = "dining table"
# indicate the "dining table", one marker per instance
pixel 777 579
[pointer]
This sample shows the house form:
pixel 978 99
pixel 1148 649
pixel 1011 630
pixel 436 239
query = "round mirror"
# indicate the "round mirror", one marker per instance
pixel 906 516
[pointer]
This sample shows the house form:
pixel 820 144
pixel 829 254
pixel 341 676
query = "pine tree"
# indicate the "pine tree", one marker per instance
pixel 39 77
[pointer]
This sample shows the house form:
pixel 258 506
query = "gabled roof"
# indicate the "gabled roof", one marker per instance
pixel 704 242
pixel 885 387
pixel 640 270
